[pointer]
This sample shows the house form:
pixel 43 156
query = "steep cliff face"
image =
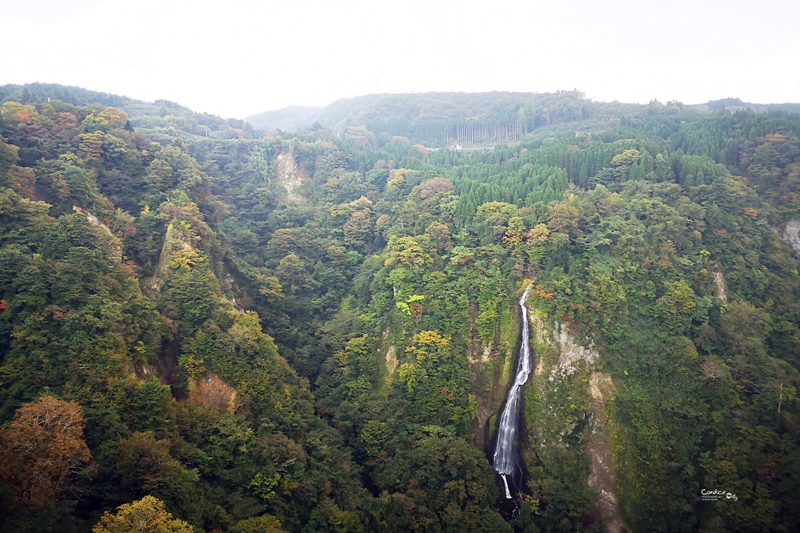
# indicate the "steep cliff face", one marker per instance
pixel 791 235
pixel 720 283
pixel 115 250
pixel 602 477
pixel 291 177
pixel 570 435
pixel 174 241
pixel 492 364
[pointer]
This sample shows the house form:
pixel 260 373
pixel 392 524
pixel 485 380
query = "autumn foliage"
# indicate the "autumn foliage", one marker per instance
pixel 214 393
pixel 43 450
pixel 145 515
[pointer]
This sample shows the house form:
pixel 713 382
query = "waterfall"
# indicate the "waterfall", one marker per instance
pixel 505 453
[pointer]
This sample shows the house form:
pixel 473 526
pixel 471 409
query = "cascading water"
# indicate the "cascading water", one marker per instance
pixel 505 453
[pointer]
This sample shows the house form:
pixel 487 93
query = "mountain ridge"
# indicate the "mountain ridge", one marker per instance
pixel 435 118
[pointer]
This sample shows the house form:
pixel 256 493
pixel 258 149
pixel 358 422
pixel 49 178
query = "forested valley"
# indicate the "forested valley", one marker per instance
pixel 205 326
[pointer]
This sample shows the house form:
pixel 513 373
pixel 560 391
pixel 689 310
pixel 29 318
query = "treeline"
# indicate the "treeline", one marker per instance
pixel 460 131
pixel 162 120
pixel 445 119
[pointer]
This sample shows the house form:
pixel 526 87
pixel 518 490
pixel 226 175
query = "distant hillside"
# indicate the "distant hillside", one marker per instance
pixel 162 120
pixel 447 119
pixel 288 119
pixel 38 93
pixel 736 104
pixel 441 119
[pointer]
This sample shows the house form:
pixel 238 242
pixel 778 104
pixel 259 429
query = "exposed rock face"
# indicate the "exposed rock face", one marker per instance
pixel 390 358
pixel 116 251
pixel 571 352
pixel 391 361
pixel 791 235
pixel 174 241
pixel 564 370
pixel 290 177
pixel 719 281
pixel 603 476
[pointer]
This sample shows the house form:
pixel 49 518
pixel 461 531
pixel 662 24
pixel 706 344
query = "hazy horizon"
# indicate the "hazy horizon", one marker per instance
pixel 244 59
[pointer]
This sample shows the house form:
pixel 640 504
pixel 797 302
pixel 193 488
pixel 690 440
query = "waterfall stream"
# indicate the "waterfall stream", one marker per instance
pixel 505 453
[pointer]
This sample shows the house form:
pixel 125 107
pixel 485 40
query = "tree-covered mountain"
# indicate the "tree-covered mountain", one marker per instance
pixel 480 119
pixel 437 119
pixel 219 329
pixel 161 121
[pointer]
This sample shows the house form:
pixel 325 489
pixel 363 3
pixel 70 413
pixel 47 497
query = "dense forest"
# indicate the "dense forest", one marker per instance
pixel 453 120
pixel 208 327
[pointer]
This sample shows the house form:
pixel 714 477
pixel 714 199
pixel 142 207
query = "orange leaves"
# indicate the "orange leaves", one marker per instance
pixel 43 450
pixel 777 138
pixel 416 310
pixel 214 393
pixel 538 292
pixel 24 116
pixel 22 113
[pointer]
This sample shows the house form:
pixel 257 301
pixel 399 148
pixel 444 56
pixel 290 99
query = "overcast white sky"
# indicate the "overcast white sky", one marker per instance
pixel 235 58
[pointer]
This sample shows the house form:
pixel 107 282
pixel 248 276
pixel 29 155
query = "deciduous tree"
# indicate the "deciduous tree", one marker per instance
pixel 147 515
pixel 43 450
